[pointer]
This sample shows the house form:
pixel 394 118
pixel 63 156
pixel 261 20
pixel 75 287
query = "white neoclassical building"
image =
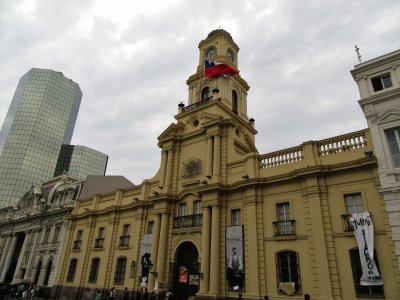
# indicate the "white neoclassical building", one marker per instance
pixel 378 82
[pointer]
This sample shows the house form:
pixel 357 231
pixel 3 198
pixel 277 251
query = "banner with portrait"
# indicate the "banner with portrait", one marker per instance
pixel 234 255
pixel 145 254
pixel 364 233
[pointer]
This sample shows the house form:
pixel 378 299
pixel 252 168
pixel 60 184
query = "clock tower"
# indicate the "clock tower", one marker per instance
pixel 219 47
pixel 213 129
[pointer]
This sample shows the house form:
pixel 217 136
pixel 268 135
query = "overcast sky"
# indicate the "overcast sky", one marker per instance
pixel 132 58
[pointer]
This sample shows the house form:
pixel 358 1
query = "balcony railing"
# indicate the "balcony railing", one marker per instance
pixel 347 225
pixel 282 228
pixel 124 240
pixel 188 221
pixel 98 243
pixel 197 104
pixel 77 245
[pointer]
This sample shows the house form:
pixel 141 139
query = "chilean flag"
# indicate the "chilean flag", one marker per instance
pixel 213 68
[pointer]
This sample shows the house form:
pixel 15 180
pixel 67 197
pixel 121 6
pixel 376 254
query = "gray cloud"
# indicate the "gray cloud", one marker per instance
pixel 132 63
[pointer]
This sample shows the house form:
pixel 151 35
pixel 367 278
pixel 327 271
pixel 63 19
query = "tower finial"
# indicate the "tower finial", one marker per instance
pixel 358 54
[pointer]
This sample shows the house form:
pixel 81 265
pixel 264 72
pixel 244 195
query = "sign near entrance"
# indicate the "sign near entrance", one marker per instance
pixel 183 274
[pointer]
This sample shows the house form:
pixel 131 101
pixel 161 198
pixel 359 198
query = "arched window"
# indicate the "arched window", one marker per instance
pixel 48 271
pixel 120 268
pixel 39 268
pixel 234 102
pixel 288 272
pixel 94 269
pixel 205 93
pixel 72 269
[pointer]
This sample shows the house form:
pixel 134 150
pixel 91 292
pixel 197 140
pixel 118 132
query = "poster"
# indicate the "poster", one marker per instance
pixel 364 232
pixel 234 254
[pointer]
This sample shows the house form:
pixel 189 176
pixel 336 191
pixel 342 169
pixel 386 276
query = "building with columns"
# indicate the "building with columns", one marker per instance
pixel 378 81
pixel 32 232
pixel 219 219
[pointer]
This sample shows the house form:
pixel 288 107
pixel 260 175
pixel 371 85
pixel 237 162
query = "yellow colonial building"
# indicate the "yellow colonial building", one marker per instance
pixel 219 220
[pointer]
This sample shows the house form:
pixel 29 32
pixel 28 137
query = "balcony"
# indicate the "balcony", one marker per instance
pixel 347 225
pixel 196 104
pixel 77 245
pixel 188 221
pixel 124 240
pixel 98 243
pixel 284 228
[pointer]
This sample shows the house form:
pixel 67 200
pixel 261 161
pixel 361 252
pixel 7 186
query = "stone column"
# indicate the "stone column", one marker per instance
pixel 217 156
pixel 163 168
pixel 205 251
pixel 251 266
pixel 33 250
pixel 162 247
pixel 210 145
pixel 21 256
pixel 215 251
pixel 154 250
pixel 169 168
pixel 10 253
pixel 7 241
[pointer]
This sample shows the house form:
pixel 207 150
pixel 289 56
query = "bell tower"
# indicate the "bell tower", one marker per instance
pixel 219 47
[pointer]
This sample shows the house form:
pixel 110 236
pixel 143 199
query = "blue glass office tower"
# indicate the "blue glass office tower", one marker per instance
pixel 41 119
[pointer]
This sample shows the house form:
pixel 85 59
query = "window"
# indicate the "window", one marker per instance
pixel 393 137
pixel 133 269
pixel 120 270
pixel 78 241
pixel 197 213
pixel 48 272
pixel 197 207
pixel 182 209
pixel 284 224
pixel 381 82
pixel 361 290
pixel 354 203
pixel 126 233
pixel 98 243
pixel 56 233
pixel 234 102
pixel 288 273
pixel 72 269
pixel 235 217
pixel 47 234
pixel 150 227
pixel 94 269
pixel 205 93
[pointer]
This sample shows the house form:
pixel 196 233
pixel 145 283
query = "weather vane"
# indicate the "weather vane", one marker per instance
pixel 358 54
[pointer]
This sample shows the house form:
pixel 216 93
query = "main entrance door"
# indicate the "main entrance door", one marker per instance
pixel 186 272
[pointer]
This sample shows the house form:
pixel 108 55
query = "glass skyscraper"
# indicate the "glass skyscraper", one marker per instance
pixel 41 119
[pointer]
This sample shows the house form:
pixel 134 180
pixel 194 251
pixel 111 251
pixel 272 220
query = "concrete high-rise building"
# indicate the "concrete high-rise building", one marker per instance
pixel 41 119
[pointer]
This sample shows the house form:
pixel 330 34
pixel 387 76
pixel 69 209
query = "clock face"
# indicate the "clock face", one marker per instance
pixel 210 53
pixel 231 56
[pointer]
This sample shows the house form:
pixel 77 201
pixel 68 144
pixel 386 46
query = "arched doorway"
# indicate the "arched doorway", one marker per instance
pixel 186 272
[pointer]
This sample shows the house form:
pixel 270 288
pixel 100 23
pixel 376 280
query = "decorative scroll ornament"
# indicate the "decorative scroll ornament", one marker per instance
pixel 191 167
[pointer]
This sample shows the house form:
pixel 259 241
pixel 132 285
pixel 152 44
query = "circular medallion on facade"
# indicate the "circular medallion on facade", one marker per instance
pixel 191 167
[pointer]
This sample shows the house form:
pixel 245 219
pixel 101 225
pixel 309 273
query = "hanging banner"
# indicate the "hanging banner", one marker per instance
pixel 364 233
pixel 145 254
pixel 234 253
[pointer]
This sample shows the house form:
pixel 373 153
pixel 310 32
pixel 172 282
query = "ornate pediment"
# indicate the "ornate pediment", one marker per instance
pixel 171 131
pixel 388 116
